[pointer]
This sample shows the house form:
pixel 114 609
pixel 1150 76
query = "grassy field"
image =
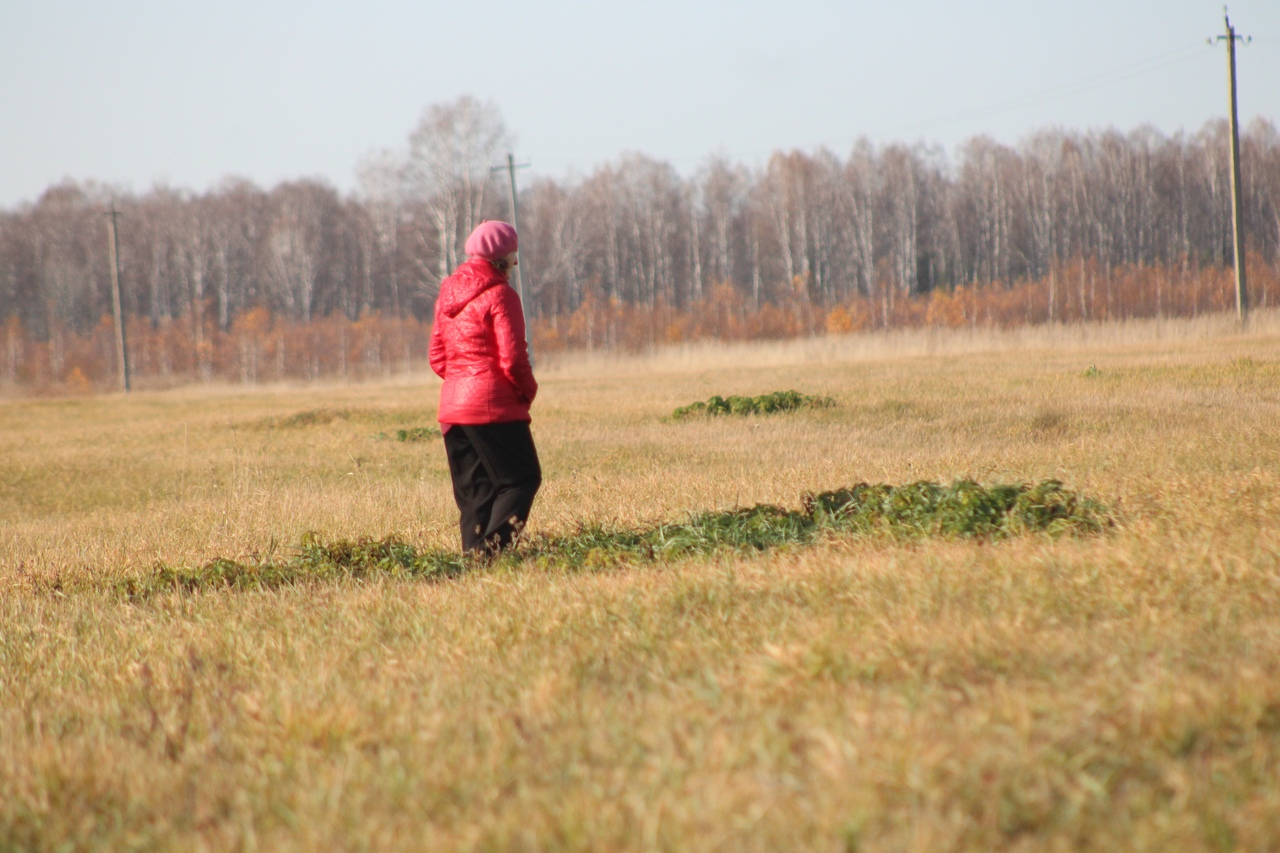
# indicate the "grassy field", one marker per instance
pixel 864 692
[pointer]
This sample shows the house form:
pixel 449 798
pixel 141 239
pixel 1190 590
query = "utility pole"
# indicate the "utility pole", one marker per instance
pixel 113 250
pixel 1237 200
pixel 511 167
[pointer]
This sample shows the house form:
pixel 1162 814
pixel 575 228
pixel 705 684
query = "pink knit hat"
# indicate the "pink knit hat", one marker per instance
pixel 492 240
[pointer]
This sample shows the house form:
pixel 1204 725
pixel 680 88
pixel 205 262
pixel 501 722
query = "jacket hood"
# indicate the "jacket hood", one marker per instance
pixel 467 282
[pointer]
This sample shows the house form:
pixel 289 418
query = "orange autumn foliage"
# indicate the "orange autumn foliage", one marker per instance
pixel 260 347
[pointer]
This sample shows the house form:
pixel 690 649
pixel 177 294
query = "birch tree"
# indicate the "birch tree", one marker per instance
pixel 451 152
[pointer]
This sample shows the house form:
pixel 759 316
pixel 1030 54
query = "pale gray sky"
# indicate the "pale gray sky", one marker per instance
pixel 187 92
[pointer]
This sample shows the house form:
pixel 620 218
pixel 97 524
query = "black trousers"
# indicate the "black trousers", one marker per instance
pixel 495 475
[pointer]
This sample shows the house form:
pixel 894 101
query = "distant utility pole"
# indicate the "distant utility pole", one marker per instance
pixel 511 167
pixel 113 250
pixel 1237 200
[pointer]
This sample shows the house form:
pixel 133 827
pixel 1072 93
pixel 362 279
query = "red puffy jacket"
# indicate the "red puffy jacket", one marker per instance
pixel 478 348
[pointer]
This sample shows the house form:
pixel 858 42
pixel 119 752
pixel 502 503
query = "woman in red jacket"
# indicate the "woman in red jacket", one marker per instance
pixel 478 348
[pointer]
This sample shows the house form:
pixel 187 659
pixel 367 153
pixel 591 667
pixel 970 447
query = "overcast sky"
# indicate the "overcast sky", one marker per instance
pixel 188 92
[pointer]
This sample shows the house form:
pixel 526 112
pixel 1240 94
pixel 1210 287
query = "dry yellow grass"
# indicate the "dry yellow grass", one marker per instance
pixel 1120 692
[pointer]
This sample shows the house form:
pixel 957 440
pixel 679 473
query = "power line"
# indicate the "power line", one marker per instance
pixel 1237 201
pixel 117 308
pixel 510 169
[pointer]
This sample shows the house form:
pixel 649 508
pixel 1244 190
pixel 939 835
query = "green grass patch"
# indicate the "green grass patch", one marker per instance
pixel 765 404
pixel 964 510
pixel 409 434
pixel 314 561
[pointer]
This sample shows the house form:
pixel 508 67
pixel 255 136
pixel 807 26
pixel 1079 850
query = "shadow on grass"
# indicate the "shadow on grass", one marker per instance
pixel 964 510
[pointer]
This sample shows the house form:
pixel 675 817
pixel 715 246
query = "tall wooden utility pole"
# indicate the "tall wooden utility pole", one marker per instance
pixel 511 167
pixel 1237 200
pixel 113 250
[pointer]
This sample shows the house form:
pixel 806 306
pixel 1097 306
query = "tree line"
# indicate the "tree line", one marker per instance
pixel 800 236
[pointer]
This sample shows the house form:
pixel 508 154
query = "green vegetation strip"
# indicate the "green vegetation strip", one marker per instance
pixel 411 434
pixel 765 404
pixel 964 509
